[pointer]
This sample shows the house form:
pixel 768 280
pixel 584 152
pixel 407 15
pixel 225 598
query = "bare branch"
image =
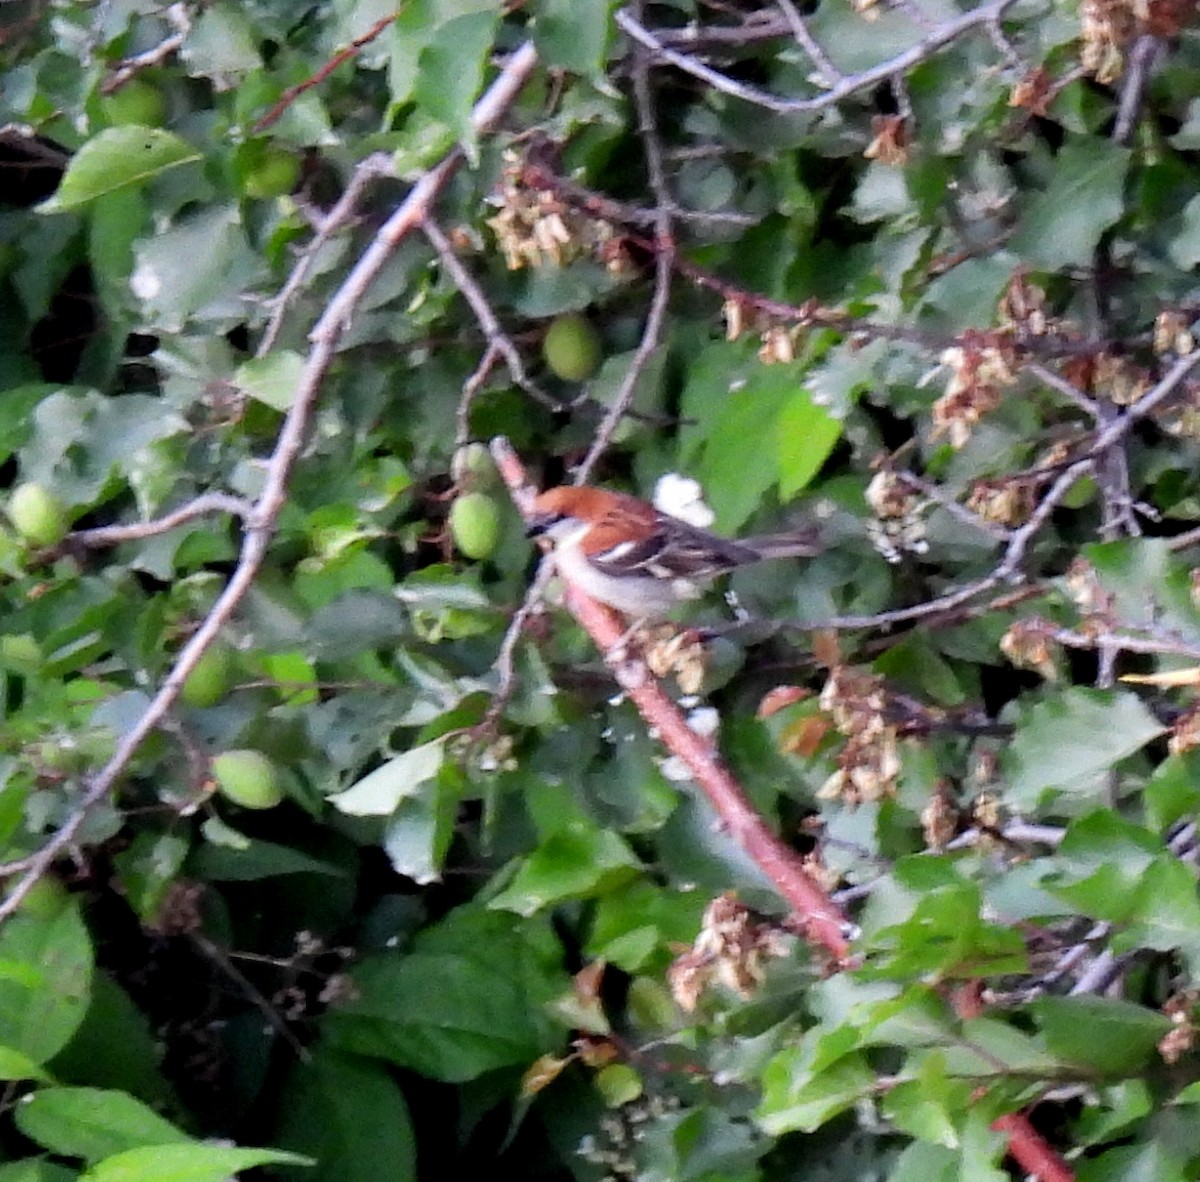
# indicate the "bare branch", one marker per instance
pixel 1140 63
pixel 497 338
pixel 664 262
pixel 115 535
pixel 378 164
pixel 1071 393
pixel 938 38
pixel 829 73
pixel 177 16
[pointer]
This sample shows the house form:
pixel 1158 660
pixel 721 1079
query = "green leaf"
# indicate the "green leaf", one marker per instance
pixel 254 860
pixel 1166 912
pixel 1173 790
pixel 420 830
pixel 14 1065
pixel 470 997
pixel 36 1169
pixel 572 36
pixel 1062 226
pixel 193 1162
pixel 272 379
pixel 1184 248
pixel 1103 859
pixel 1068 740
pixel 1103 1034
pixel 222 45
pixel 924 1106
pixel 379 792
pixel 451 71
pixel 1151 1162
pixel 45 979
pixel 92 1123
pixel 201 267
pixel 363 1119
pixel 574 863
pixel 802 1105
pixel 16 408
pixel 807 433
pixel 115 1048
pixel 116 159
pixel 755 430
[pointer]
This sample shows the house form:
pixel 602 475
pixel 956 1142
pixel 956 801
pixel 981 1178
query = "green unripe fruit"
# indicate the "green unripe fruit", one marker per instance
pixel 572 348
pixel 473 467
pixel 38 515
pixel 209 682
pixel 20 652
pixel 247 778
pixel 137 102
pixel 273 174
pixel 475 525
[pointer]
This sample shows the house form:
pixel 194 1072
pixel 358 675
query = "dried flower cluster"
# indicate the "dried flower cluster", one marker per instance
pixel 670 651
pixel 897 525
pixel 1173 335
pixel 1185 732
pixel 1023 305
pixel 939 820
pixel 891 142
pixel 1035 92
pixel 869 761
pixel 1181 1038
pixel 1106 28
pixel 1084 587
pixel 730 949
pixel 613 1149
pixel 535 226
pixel 979 367
pixel 1029 644
pixel 778 342
pixel 1007 501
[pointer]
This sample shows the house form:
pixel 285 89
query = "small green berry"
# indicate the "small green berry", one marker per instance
pixel 475 525
pixel 572 348
pixel 247 778
pixel 38 515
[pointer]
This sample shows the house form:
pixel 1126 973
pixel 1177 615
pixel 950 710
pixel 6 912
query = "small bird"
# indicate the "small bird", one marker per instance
pixel 643 562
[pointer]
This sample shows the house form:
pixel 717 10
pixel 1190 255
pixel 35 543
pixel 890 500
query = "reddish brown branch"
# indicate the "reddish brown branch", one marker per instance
pixel 822 920
pixel 1030 1151
pixel 290 95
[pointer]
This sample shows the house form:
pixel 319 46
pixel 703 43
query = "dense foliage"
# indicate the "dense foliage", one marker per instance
pixel 315 839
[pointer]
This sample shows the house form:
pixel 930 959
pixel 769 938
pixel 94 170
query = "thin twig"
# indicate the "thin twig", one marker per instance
pixel 829 73
pixel 1071 393
pixel 497 338
pixel 115 535
pixel 290 95
pixel 177 16
pixel 1139 63
pixel 506 668
pixel 378 164
pixel 938 38
pixel 664 262
pixel 471 387
pixel 954 508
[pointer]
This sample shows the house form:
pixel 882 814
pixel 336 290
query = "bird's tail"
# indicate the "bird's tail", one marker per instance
pixel 804 542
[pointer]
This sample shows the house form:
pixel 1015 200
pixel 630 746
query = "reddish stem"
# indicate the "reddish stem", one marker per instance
pixel 1030 1150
